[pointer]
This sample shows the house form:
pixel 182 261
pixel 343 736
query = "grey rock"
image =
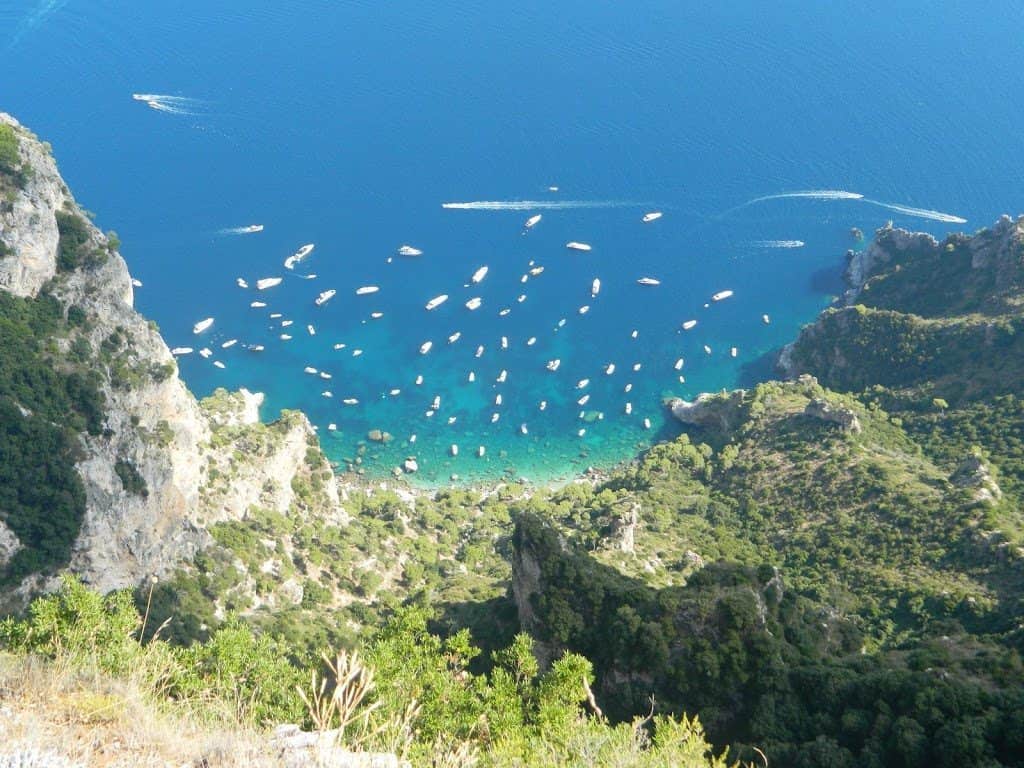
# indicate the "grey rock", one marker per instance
pixel 820 408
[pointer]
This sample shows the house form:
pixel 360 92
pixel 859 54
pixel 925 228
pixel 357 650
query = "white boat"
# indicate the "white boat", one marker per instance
pixel 480 351
pixel 495 417
pixel 479 275
pixel 648 281
pixel 532 221
pixel 537 271
pixel 408 250
pixel 268 282
pixel 634 334
pixel 241 282
pixel 357 352
pixel 628 409
pixel 582 383
pixel 308 277
pixel 652 216
pixel 256 348
pixel 583 400
pixel 481 451
pixel 324 297
pixel 350 401
pixel 286 337
pixel 595 287
pixel 136 282
pixel 679 364
pixel 471 377
pixel 636 366
pixel 437 301
pixel 202 325
pixel 721 295
pixel 326 376
pixel 286 323
pixel 310 370
pixel 553 364
pixel 298 256
pixel 367 289
pixel 543 405
pixel 339 345
pixel 311 330
pixel 436 404
pixel 497 399
pixel 219 364
pixel 584 309
pixel 502 377
pixel 689 324
pixel 504 342
pixel 452 420
pixel 552 189
pixel 257 304
pixel 647 423
pixel 581 432
pixel 733 351
pixel 454 450
pixel 419 380
pixel 205 352
pixel 376 315
pixel 523 429
pixel 250 229
pixel 521 298
pixel 707 349
pixel 609 369
pixel 561 323
pixel 531 341
pixel 524 278
pixel 332 427
pixel 426 346
pixel 181 351
pixel 765 319
pixel 504 312
pixel 326 394
pixel 229 343
pixel 575 246
pixel 628 388
pixel 455 337
pixel 474 303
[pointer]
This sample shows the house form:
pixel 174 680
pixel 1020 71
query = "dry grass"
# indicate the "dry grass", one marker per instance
pixel 89 720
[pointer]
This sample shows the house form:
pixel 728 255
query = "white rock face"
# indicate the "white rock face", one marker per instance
pixel 152 422
pixel 9 544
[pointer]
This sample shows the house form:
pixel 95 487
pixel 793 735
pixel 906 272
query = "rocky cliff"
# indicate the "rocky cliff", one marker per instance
pixel 186 472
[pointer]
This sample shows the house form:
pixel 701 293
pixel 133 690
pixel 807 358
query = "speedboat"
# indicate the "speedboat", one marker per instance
pixel 181 351
pixel 310 370
pixel 765 319
pixel 268 282
pixel 536 271
pixel 628 409
pixel 721 295
pixel 531 341
pixel 575 246
pixel 437 301
pixel 325 375
pixel 609 369
pixel 241 282
pixel 733 351
pixel 689 324
pixel 248 230
pixel 426 347
pixel 350 401
pixel 408 250
pixel 257 304
pixel 532 221
pixel 229 343
pixel 324 297
pixel 367 289
pixel 648 281
pixel 311 330
pixel 479 275
pixel 205 352
pixel 652 216
pixel 455 337
pixel 504 342
pixel 552 365
pixel 376 315
pixel 584 309
pixel 595 287
pixel 202 325
pixel 679 364
pixel 474 303
pixel 504 312
pixel 219 364
pixel 480 351
pixel 582 383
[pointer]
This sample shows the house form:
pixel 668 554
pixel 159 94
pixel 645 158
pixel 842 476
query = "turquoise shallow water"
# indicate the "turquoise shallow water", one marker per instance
pixel 349 124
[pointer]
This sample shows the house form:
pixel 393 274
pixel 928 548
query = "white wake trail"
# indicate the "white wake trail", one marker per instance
pixel 535 205
pixel 923 213
pixel 35 17
pixel 810 194
pixel 778 243
pixel 175 105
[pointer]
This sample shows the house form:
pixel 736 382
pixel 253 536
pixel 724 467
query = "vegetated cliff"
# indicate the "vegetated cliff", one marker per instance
pixel 160 468
pixel 890 513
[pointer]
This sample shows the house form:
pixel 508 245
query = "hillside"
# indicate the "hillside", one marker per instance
pixel 828 568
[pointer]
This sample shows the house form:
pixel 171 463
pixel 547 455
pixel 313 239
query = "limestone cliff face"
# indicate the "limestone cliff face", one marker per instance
pixel 153 422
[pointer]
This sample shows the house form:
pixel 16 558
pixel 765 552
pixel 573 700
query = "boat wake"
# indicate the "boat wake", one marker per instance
pixel 248 230
pixel 42 11
pixel 535 205
pixel 922 213
pixel 810 194
pixel 778 243
pixel 174 105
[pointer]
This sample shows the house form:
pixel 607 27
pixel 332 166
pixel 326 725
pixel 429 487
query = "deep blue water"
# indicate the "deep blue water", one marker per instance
pixel 348 124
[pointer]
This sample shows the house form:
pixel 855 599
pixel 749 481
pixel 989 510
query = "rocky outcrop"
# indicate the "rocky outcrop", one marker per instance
pixel 973 474
pixel 719 412
pixel 822 409
pixel 622 532
pixel 9 544
pixel 889 242
pixel 152 422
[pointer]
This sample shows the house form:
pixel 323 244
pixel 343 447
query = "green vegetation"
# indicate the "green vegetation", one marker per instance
pixel 44 406
pixel 75 248
pixel 12 173
pixel 416 696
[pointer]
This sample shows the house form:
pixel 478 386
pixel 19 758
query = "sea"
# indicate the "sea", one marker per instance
pixel 763 132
